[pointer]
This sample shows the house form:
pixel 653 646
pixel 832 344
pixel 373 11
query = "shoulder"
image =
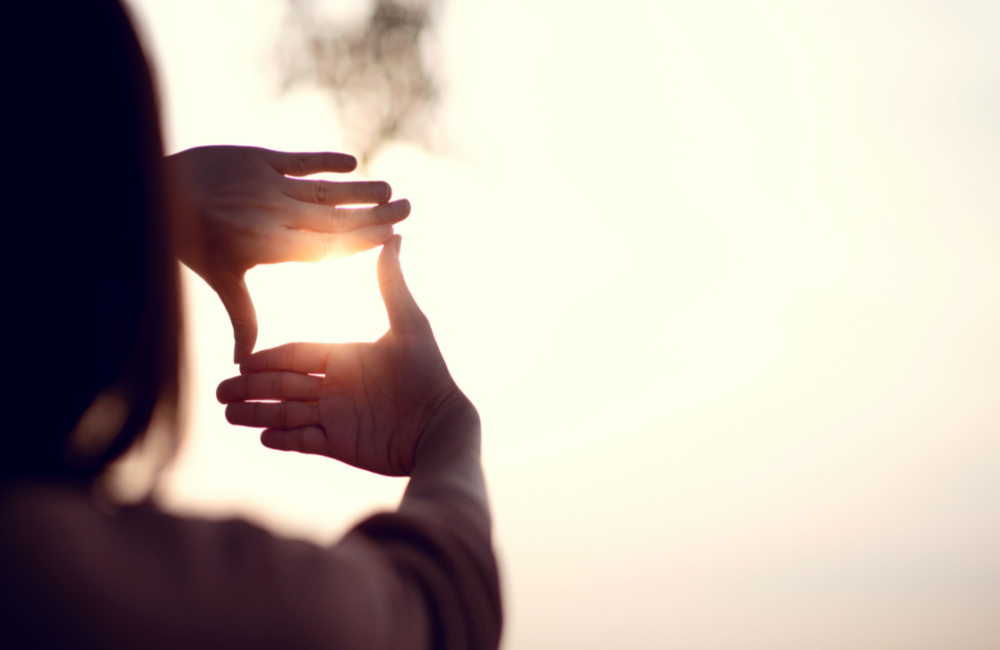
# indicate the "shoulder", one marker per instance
pixel 76 574
pixel 137 577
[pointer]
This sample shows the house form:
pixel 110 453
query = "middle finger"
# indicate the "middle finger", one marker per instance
pixel 327 193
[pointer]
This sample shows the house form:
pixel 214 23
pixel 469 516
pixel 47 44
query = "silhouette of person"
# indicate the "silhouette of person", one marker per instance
pixel 97 219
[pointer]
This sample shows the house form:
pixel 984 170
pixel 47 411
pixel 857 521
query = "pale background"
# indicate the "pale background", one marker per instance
pixel 722 279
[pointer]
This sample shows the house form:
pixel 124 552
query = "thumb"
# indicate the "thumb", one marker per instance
pixel 404 314
pixel 236 298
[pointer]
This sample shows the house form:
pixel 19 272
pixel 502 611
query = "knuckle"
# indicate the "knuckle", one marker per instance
pixel 331 245
pixel 241 325
pixel 337 219
pixel 300 162
pixel 420 323
pixel 250 388
pixel 321 192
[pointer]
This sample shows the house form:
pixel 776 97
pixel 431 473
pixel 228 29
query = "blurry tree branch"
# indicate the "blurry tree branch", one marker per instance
pixel 377 72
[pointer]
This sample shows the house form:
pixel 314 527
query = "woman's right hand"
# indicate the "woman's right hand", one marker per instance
pixel 377 403
pixel 239 208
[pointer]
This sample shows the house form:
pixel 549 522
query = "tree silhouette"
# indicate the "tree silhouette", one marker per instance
pixel 378 72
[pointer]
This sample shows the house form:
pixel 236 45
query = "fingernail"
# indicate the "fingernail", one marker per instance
pixel 238 353
pixel 397 243
pixel 385 192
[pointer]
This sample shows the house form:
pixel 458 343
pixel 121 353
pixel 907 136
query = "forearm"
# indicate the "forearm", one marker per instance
pixel 448 472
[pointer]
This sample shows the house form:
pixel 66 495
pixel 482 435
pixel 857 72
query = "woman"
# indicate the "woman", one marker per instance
pixel 94 358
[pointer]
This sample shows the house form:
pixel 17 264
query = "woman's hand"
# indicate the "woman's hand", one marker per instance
pixel 377 403
pixel 240 209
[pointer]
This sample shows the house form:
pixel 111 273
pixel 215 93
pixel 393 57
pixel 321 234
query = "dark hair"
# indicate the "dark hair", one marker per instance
pixel 95 306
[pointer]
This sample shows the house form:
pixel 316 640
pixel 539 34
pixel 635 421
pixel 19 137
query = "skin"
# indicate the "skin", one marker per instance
pixel 389 407
pixel 238 208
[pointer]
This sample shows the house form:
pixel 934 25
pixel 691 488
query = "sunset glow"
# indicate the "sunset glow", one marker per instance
pixel 723 282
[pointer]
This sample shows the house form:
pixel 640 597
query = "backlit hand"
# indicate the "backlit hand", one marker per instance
pixel 376 403
pixel 245 211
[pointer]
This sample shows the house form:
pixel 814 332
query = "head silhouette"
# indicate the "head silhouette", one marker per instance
pixel 93 289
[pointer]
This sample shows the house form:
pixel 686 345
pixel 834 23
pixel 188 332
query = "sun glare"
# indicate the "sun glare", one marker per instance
pixel 724 290
pixel 334 301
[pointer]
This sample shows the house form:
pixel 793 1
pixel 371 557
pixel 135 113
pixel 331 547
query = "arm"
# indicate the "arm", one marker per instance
pixel 72 574
pixel 447 471
pixel 391 407
pixel 237 208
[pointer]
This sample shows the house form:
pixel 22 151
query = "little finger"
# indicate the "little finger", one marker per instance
pixel 306 440
pixel 315 246
pixel 324 218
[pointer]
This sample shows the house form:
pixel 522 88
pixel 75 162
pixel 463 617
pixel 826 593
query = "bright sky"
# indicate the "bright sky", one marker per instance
pixel 722 279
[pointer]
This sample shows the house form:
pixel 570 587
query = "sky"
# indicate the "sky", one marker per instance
pixel 722 279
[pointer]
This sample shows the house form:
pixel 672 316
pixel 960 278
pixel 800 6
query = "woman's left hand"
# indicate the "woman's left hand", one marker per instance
pixel 239 209
pixel 378 406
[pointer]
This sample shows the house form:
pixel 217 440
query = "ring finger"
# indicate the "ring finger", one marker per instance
pixel 327 193
pixel 284 415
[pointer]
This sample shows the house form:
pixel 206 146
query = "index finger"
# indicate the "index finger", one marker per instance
pixel 303 164
pixel 293 357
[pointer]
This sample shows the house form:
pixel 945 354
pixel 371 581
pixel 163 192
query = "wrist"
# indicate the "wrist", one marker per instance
pixel 454 430
pixel 447 471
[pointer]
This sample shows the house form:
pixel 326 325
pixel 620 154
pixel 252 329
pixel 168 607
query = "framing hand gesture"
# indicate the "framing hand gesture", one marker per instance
pixel 245 211
pixel 376 402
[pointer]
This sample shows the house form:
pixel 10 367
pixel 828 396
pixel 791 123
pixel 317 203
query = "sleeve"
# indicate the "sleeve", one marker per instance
pixel 76 576
pixel 456 572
